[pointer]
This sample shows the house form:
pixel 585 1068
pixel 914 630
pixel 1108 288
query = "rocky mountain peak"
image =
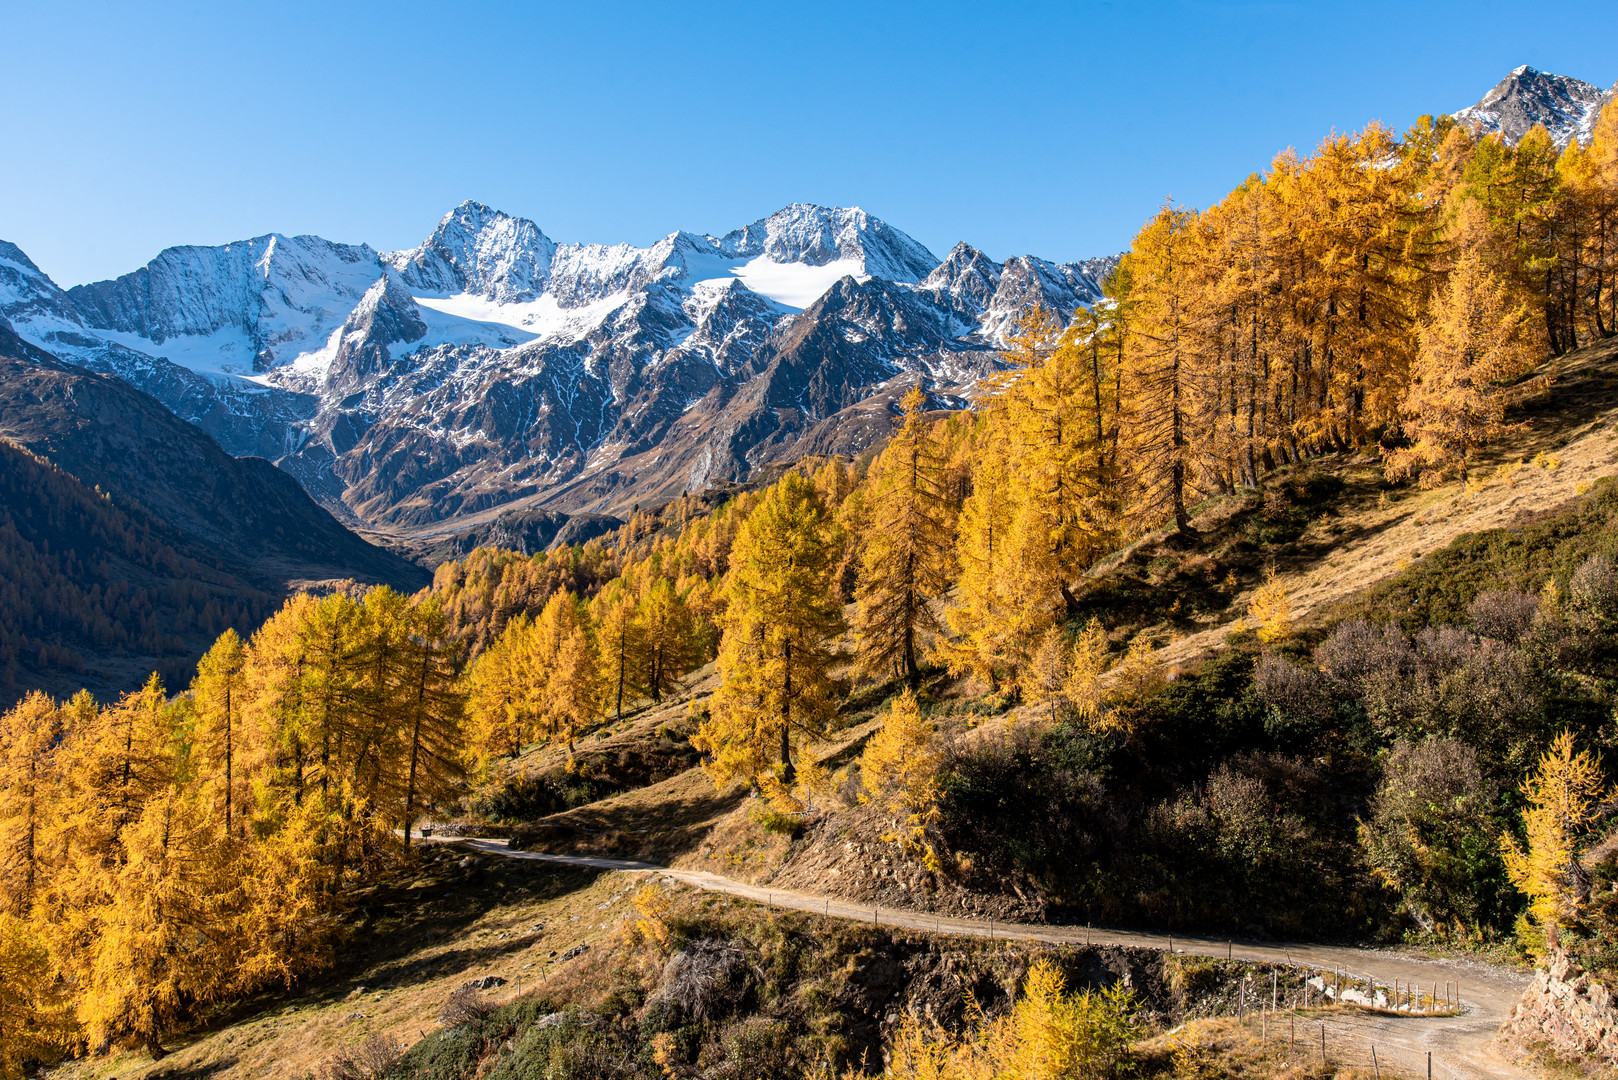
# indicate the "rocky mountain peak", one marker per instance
pixel 272 293
pixel 820 235
pixel 27 291
pixel 967 275
pixel 387 313
pixel 479 250
pixel 1567 107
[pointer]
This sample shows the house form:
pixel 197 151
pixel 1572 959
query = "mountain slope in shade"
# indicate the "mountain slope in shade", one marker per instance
pixel 491 367
pixel 1567 107
pixel 242 514
pixel 97 595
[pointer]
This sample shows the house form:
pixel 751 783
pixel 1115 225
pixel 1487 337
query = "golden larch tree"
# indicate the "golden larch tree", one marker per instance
pixel 1159 370
pixel 621 637
pixel 1562 795
pixel 905 557
pixel 430 715
pixel 218 694
pixel 29 734
pixel 778 626
pixel 1475 338
pixel 671 644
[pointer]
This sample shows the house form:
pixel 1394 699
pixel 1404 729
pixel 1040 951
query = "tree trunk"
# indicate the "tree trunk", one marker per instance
pixel 787 772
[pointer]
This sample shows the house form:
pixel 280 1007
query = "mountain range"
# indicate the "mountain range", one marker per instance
pixel 492 380
pixel 492 369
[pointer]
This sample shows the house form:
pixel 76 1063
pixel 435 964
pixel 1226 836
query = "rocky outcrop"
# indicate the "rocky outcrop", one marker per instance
pixel 1568 1011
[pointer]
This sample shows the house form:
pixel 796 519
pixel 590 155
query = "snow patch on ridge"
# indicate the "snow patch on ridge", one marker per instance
pixel 543 318
pixel 225 354
pixel 796 285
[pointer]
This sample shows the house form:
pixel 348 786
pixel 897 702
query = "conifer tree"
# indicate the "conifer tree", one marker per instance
pixel 505 693
pixel 1269 612
pixel 1474 339
pixel 130 756
pixel 778 624
pixel 1058 407
pixel 1086 662
pixel 1594 190
pixel 273 679
pixel 621 637
pixel 670 641
pixel 900 769
pixel 283 927
pixel 218 692
pixel 29 734
pixel 1047 677
pixel 976 618
pixel 36 1015
pixel 430 714
pixel 1562 796
pixel 575 688
pixel 330 641
pixel 1159 370
pixel 160 941
pixel 1010 588
pixel 906 559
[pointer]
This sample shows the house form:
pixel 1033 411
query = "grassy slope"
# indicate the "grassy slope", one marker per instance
pixel 1366 538
pixel 817 986
pixel 1341 539
pixel 1361 547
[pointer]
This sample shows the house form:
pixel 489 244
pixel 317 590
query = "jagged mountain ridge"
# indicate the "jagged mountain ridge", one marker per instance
pixel 491 368
pixel 1567 107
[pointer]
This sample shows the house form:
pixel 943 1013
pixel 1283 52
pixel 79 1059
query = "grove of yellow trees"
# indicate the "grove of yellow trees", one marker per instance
pixel 164 852
pixel 160 852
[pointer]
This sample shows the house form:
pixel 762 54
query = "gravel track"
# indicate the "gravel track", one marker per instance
pixel 1462 1046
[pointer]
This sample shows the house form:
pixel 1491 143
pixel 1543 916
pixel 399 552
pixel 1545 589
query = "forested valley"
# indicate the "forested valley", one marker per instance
pixel 1426 763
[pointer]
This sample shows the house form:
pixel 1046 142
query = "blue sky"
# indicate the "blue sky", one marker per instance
pixel 1021 127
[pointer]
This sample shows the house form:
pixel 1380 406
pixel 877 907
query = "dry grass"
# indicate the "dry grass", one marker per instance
pixel 440 928
pixel 1224 1048
pixel 1373 533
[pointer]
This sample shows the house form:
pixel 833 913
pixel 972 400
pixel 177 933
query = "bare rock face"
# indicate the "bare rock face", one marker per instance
pixel 1566 107
pixel 1567 1011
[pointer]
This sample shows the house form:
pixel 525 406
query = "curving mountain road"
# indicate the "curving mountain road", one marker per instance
pixel 1461 1046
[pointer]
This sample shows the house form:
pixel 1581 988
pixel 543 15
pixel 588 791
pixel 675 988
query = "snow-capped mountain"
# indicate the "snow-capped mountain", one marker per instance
pixel 1567 107
pixel 492 367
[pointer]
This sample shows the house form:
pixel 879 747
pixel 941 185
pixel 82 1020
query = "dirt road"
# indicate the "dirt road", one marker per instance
pixel 1461 1046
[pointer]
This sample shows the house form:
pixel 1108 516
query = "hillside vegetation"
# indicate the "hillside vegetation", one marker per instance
pixel 945 674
